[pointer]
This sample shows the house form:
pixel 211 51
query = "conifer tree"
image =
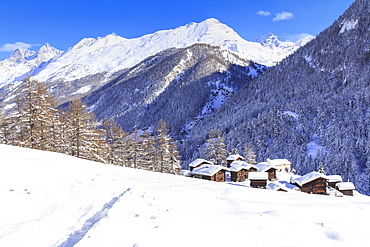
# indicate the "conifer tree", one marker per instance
pixel 249 155
pixel 113 136
pixel 133 149
pixel 321 168
pixel 33 116
pixel 215 148
pixel 25 114
pixel 84 140
pixel 46 119
pixel 167 153
pixel 149 152
pixel 5 129
pixel 174 162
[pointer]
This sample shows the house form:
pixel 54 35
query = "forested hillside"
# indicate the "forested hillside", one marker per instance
pixel 178 85
pixel 311 108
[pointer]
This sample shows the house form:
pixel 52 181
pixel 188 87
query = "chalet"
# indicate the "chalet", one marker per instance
pixel 258 179
pixel 232 158
pixel 267 167
pixel 346 188
pixel 333 180
pixel 239 170
pixel 282 165
pixel 313 183
pixel 199 162
pixel 210 172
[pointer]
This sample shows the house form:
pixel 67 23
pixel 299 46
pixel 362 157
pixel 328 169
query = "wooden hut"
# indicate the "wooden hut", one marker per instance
pixel 210 172
pixel 199 162
pixel 346 188
pixel 258 179
pixel 313 183
pixel 233 157
pixel 333 180
pixel 239 170
pixel 267 167
pixel 282 165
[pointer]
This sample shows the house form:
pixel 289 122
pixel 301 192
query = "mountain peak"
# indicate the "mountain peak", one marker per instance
pixel 211 21
pixel 269 40
pixel 47 52
pixel 305 40
pixel 21 54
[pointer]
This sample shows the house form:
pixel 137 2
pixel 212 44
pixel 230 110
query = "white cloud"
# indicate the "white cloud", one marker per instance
pixel 283 16
pixel 8 47
pixel 263 13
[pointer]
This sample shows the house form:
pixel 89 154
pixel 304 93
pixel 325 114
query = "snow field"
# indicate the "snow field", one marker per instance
pixel 51 199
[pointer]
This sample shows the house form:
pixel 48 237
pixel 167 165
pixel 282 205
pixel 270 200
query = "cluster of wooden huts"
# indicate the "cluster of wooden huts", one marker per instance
pixel 265 175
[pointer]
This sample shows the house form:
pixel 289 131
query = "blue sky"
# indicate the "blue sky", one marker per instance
pixel 63 23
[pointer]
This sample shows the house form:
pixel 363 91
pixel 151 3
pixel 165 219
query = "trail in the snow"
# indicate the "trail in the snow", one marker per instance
pixel 77 235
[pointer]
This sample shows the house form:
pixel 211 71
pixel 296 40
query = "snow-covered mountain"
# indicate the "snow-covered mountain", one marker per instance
pixel 273 42
pixel 113 53
pixel 23 62
pixel 51 199
pixel 103 57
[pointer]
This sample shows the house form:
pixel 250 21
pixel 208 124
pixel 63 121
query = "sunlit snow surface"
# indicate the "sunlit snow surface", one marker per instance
pixel 50 199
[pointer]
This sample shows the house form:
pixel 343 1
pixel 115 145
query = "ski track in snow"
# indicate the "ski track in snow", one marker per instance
pixel 78 235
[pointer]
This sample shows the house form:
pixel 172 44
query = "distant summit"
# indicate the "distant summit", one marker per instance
pixel 112 53
pixel 25 62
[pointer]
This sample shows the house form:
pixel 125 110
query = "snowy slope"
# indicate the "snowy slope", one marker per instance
pixel 52 199
pixel 113 53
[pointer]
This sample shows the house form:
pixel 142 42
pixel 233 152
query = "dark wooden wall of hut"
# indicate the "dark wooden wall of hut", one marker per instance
pixel 317 186
pixel 258 183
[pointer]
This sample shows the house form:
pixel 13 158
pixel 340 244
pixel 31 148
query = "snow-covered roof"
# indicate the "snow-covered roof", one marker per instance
pixel 264 166
pixel 258 176
pixel 308 178
pixel 185 172
pixel 197 162
pixel 237 165
pixel 234 157
pixel 334 178
pixel 276 186
pixel 208 170
pixel 279 162
pixel 345 186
